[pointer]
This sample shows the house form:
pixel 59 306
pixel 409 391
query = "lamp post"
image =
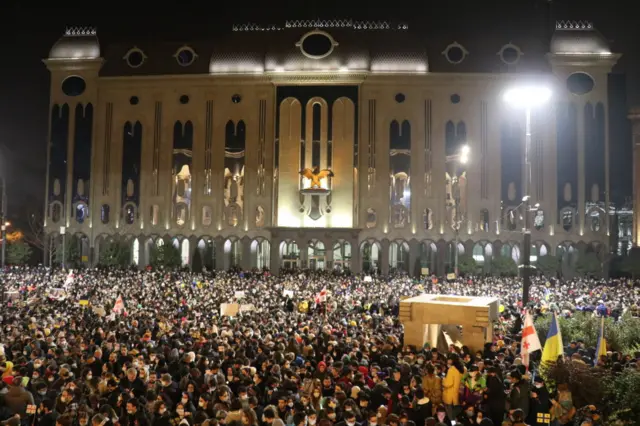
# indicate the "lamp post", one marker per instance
pixel 3 224
pixel 462 157
pixel 63 232
pixel 527 98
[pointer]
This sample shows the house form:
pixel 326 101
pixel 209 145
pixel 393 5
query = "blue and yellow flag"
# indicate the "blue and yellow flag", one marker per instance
pixel 601 350
pixel 553 346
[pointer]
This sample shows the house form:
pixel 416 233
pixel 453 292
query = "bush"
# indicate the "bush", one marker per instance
pixel 616 395
pixel 621 336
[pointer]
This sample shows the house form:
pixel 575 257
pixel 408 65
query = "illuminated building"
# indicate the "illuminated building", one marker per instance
pixel 201 145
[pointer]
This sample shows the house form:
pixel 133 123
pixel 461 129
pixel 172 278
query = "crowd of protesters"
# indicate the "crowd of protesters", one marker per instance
pixel 125 348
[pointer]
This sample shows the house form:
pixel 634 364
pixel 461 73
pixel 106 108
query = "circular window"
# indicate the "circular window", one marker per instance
pixel 580 83
pixel 184 99
pixel 73 86
pixel 317 45
pixel 455 53
pixel 134 100
pixel 135 57
pixel 185 56
pixel 236 99
pixel 510 54
pixel 400 98
pixel 455 98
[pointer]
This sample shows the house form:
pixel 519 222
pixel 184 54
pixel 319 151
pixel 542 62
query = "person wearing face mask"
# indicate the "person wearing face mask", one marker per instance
pixel 269 418
pixel 451 385
pixel 312 417
pixel 349 420
pixel 474 384
pixel 468 416
pixel 182 416
pixel 495 396
pixel 441 416
pixel 161 415
pixel 422 408
pixel 540 404
pixel 46 415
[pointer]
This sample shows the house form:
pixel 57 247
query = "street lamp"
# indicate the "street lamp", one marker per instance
pixel 3 224
pixel 462 157
pixel 527 97
pixel 63 232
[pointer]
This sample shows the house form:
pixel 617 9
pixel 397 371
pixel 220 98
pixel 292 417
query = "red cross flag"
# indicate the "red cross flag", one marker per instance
pixel 118 307
pixel 322 296
pixel 530 340
pixel 69 279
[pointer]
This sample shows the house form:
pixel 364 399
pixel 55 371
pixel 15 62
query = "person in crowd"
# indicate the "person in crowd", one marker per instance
pixel 159 348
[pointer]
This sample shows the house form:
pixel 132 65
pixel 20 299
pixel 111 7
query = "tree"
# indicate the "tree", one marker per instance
pixel 588 264
pixel 548 265
pixel 18 252
pixel 115 254
pixel 72 252
pixel 166 256
pixel 467 265
pixel 504 266
pixel 36 235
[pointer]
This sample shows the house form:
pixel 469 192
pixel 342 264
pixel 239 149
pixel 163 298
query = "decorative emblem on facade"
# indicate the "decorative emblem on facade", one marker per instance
pixel 315 176
pixel 316 44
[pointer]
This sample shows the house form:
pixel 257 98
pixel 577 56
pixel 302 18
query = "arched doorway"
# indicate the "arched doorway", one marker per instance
pixel 428 257
pixel 342 255
pixel 316 255
pixel 289 254
pixel 399 256
pixel 232 253
pixel 370 254
pixel 260 253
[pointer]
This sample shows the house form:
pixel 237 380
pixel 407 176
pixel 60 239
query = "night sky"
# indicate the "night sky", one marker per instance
pixel 29 32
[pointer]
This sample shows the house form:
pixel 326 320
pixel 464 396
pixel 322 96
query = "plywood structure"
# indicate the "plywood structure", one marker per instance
pixel 423 317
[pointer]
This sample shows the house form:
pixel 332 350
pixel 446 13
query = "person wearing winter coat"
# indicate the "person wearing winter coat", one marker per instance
pixel 451 385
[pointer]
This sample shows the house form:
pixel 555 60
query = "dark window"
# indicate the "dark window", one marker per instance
pixel 236 99
pixel 510 55
pixel 455 98
pixel 185 57
pixel 400 98
pixel 73 86
pixel 317 45
pixel 134 100
pixel 455 54
pixel 580 83
pixel 135 58
pixel 184 99
pixel 104 213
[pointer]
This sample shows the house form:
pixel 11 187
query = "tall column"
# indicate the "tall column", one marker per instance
pixel 384 262
pixel 219 250
pixel 355 261
pixel 581 170
pixel 634 116
pixel 246 253
pixel 414 256
pixel 274 258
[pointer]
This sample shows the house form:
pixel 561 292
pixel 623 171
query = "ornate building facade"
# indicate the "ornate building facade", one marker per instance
pixel 205 146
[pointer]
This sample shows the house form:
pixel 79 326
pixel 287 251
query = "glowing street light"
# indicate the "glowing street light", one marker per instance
pixel 527 97
pixel 461 157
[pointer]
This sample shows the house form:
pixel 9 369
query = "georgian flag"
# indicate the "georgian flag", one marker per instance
pixel 322 296
pixel 118 307
pixel 70 278
pixel 530 341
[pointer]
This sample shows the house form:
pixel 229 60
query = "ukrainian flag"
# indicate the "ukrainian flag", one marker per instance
pixel 602 343
pixel 553 346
